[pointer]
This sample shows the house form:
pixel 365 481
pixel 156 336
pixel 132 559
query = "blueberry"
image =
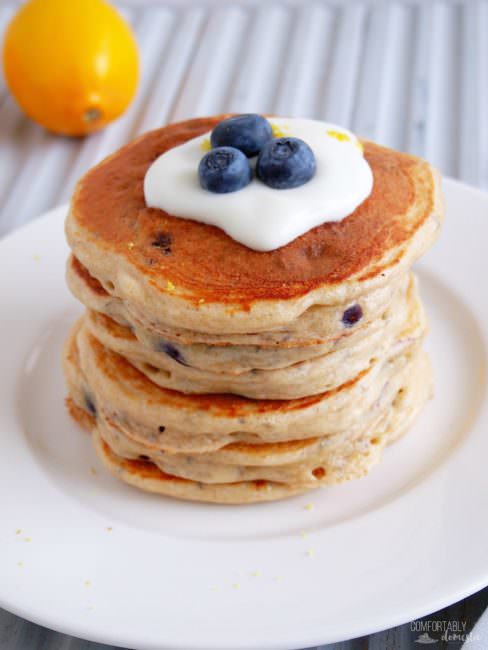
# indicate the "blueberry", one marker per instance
pixel 163 241
pixel 352 315
pixel 248 133
pixel 90 405
pixel 285 163
pixel 224 170
pixel 172 352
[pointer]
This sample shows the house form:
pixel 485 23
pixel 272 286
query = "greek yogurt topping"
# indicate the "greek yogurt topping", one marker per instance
pixel 259 216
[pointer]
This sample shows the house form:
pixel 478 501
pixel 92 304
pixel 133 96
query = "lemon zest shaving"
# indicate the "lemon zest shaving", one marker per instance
pixel 205 144
pixel 338 135
pixel 279 131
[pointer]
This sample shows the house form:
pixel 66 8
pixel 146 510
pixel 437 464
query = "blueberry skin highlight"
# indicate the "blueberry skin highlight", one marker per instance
pixel 224 170
pixel 285 163
pixel 248 133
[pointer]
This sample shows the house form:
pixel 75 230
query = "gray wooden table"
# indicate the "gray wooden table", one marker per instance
pixel 411 75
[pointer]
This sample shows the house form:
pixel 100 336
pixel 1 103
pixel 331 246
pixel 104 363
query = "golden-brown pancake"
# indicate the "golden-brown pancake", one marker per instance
pixel 202 279
pixel 294 465
pixel 146 476
pixel 170 367
pixel 102 380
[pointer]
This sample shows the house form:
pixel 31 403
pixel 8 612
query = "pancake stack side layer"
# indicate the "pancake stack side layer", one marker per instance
pixel 211 372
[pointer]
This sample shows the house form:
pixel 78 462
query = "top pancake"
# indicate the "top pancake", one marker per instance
pixel 191 262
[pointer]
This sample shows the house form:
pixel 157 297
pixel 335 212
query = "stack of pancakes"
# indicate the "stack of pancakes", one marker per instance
pixel 209 371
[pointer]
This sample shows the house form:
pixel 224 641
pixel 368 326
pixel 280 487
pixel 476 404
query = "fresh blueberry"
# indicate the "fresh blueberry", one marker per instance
pixel 248 133
pixel 285 163
pixel 352 315
pixel 224 170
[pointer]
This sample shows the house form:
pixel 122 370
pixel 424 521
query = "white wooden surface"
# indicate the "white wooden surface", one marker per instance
pixel 411 75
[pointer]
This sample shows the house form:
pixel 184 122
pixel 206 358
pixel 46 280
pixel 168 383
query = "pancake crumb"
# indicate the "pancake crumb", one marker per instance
pixel 130 245
pixel 309 507
pixel 310 552
pixel 201 301
pixel 20 564
pixel 18 531
pixel 27 539
pixel 109 529
pixel 93 471
pixel 87 583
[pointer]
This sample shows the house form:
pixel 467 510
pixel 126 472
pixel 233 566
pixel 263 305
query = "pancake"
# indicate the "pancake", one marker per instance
pixel 206 351
pixel 168 418
pixel 219 476
pixel 146 476
pixel 171 369
pixel 203 280
pixel 316 325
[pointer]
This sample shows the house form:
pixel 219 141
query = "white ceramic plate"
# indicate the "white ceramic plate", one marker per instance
pixel 87 555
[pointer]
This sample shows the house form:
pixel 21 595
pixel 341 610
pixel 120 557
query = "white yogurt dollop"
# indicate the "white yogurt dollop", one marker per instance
pixel 258 216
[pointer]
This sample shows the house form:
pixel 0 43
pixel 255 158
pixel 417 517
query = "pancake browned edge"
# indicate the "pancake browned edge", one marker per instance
pixel 203 280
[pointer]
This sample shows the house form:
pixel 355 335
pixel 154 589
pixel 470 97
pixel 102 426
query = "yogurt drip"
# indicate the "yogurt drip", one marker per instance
pixel 258 216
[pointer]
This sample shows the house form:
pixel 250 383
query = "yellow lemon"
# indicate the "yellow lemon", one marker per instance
pixel 72 65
